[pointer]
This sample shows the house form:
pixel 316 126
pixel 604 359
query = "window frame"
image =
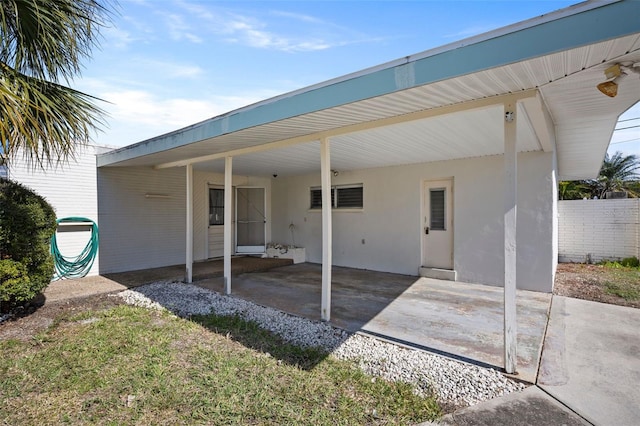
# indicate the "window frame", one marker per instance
pixel 335 197
pixel 217 207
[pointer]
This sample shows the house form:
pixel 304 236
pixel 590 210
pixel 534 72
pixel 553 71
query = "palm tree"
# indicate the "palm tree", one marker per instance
pixel 42 43
pixel 616 174
pixel 573 190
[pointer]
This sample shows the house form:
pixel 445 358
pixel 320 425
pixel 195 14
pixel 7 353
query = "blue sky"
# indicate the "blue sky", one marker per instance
pixel 165 64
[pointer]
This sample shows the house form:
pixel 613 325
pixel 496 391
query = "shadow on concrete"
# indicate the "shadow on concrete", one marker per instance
pixel 201 270
pixel 459 320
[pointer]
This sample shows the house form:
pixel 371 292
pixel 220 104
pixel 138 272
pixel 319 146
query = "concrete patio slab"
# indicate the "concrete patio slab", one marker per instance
pixel 464 321
pixel 591 360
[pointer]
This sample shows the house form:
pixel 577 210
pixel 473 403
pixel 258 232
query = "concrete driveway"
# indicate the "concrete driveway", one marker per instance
pixel 589 373
pixel 591 360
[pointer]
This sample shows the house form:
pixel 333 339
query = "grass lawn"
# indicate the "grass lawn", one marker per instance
pixel 623 282
pixel 128 365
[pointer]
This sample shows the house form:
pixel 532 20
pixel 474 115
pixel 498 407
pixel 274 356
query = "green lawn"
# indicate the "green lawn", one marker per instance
pixel 128 365
pixel 623 282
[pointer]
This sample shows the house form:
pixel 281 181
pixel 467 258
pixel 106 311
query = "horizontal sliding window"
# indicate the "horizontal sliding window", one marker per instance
pixel 342 197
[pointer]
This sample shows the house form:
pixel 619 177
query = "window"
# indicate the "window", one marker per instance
pixel 437 203
pixel 216 206
pixel 342 197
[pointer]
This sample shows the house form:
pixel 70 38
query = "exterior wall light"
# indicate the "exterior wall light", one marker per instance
pixel 615 74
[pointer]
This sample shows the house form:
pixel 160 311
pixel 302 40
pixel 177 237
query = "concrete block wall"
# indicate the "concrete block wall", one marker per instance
pixel 595 230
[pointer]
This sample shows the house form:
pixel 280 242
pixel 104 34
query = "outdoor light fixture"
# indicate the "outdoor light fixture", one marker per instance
pixel 615 74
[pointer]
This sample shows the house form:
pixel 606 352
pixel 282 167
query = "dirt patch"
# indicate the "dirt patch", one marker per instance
pixel 36 318
pixel 596 283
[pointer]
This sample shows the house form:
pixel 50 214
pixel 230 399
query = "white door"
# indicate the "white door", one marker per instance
pixel 250 220
pixel 216 222
pixel 437 229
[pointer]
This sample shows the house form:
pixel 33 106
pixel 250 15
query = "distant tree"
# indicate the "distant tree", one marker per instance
pixel 618 173
pixel 42 43
pixel 573 190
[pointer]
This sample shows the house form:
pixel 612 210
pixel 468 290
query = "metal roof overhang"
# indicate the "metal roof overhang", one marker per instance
pixel 441 104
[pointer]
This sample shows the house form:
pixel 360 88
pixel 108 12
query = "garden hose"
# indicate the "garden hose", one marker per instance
pixel 80 265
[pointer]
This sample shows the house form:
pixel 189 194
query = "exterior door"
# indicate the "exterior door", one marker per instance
pixel 250 220
pixel 437 229
pixel 216 222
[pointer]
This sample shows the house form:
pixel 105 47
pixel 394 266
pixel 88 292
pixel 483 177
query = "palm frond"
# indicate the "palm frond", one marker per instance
pixel 48 39
pixel 42 43
pixel 44 120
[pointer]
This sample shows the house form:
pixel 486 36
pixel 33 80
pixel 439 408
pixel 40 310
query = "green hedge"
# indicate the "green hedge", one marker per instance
pixel 27 222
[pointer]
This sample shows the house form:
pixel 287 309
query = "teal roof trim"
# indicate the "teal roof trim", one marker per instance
pixel 596 24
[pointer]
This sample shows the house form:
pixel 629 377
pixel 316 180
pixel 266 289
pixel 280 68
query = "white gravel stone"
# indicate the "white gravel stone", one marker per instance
pixel 5 317
pixel 453 382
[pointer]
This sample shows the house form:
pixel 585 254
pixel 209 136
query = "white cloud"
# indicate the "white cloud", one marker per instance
pixel 136 115
pixel 170 69
pixel 242 28
pixel 299 17
pixel 178 29
pixel 116 37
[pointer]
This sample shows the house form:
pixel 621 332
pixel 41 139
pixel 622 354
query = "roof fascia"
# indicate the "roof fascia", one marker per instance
pixel 579 25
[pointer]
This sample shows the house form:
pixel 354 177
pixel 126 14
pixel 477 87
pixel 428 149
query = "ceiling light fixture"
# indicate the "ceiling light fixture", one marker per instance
pixel 615 74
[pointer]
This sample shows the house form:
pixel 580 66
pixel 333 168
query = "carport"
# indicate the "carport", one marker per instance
pixel 525 95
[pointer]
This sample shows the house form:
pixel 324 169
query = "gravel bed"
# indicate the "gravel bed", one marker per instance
pixel 453 382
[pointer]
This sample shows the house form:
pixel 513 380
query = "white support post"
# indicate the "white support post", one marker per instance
pixel 228 225
pixel 325 173
pixel 188 273
pixel 510 220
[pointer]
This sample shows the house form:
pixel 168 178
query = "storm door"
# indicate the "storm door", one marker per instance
pixel 250 220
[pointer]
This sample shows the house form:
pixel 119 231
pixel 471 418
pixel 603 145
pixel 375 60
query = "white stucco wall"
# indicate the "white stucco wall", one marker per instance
pixel 390 223
pixel 72 191
pixel 139 232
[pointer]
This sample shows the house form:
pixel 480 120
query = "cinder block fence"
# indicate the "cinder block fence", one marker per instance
pixel 594 230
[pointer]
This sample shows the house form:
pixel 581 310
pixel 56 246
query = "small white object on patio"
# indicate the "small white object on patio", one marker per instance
pixel 453 382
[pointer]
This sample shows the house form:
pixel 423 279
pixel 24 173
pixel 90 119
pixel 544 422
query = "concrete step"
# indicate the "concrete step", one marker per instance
pixel 437 273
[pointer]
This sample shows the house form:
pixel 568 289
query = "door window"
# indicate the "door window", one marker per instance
pixel 437 207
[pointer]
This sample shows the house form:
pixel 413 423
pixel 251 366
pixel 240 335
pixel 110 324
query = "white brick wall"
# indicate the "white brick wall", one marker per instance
pixel 598 229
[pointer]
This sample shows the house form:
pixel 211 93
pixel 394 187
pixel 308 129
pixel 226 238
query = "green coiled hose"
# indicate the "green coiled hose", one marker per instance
pixel 80 265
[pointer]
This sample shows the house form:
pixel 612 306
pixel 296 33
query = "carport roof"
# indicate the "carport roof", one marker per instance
pixel 443 104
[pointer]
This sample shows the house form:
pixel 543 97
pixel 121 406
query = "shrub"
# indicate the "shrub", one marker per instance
pixel 27 222
pixel 15 281
pixel 630 262
pixel 627 262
